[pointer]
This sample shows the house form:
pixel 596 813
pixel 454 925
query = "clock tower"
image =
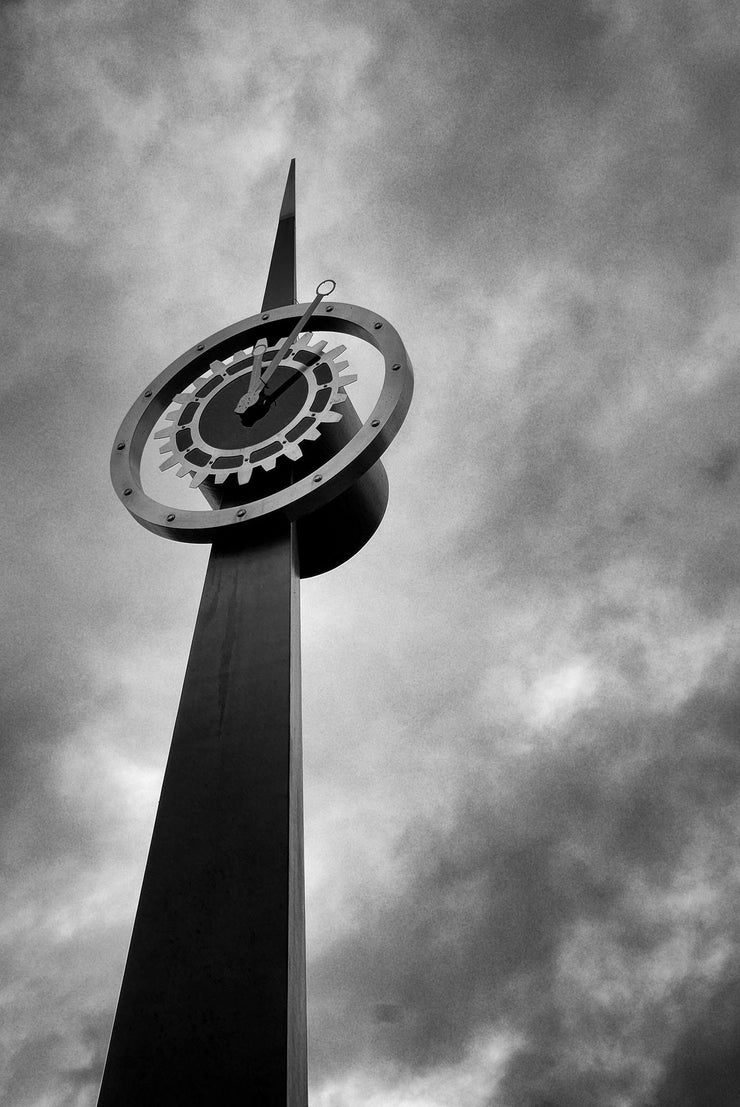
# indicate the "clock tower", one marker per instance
pixel 258 417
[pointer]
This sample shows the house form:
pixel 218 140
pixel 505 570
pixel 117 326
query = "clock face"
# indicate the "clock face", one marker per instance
pixel 257 417
pixel 232 420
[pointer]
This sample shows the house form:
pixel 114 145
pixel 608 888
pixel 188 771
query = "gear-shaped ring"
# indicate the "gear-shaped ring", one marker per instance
pixel 199 457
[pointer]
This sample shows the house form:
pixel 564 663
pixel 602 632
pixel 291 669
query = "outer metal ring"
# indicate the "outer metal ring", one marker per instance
pixel 298 499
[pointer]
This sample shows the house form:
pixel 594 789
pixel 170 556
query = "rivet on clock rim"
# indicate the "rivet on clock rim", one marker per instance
pixel 121 446
pixel 170 518
pixel 127 491
pixel 317 478
pixel 241 513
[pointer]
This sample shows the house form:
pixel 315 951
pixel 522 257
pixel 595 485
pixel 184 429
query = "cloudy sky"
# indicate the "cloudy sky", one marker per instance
pixel 521 699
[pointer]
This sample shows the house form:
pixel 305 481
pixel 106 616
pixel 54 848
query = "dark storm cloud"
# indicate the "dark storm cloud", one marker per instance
pixel 629 199
pixel 623 214
pixel 543 194
pixel 58 608
pixel 39 1065
pixel 552 130
pixel 582 475
pixel 76 715
pixel 42 701
pixel 55 1043
pixel 632 211
pixel 704 1070
pixel 476 937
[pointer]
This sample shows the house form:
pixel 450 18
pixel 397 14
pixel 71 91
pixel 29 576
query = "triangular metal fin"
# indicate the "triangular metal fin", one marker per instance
pixel 281 278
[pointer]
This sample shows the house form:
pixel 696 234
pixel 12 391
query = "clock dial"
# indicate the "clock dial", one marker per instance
pixel 231 422
pixel 263 427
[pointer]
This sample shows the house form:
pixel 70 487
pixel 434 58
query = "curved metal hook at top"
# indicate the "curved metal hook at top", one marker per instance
pixel 329 290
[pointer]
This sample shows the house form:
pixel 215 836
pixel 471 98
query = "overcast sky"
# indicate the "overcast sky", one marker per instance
pixel 521 699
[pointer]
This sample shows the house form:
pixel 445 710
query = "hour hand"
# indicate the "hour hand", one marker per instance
pixel 251 396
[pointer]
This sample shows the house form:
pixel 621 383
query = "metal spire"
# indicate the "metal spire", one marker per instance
pixel 281 279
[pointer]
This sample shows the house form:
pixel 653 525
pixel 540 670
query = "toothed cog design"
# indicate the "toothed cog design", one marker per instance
pixel 207 439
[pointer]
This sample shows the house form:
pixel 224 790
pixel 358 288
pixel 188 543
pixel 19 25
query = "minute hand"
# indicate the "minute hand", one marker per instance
pixel 300 326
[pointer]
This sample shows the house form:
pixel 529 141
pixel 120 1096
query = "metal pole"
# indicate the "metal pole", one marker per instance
pixel 213 1001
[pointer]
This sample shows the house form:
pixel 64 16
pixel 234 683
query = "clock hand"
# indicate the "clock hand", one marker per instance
pixel 270 397
pixel 264 401
pixel 300 325
pixel 251 396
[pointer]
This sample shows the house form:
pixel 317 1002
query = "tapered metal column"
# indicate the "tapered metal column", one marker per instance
pixel 213 1005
